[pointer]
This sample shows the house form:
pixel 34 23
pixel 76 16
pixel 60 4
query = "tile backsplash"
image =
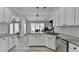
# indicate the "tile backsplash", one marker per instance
pixel 73 30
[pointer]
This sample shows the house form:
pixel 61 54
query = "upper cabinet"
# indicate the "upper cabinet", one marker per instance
pixel 56 18
pixel 61 16
pixel 77 15
pixel 69 15
pixel 65 16
pixel 1 14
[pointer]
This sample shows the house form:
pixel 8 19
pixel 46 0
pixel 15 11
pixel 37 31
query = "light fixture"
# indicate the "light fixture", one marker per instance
pixel 44 7
pixel 37 7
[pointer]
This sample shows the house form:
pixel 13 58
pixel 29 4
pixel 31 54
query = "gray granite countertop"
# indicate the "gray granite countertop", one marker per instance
pixel 69 38
pixel 4 35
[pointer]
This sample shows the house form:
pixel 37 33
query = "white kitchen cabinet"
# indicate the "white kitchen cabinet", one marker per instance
pixel 36 40
pixel 11 41
pixel 55 18
pixel 2 14
pixel 50 42
pixel 69 15
pixel 73 48
pixel 15 38
pixel 42 40
pixel 76 16
pixel 61 16
pixel 4 44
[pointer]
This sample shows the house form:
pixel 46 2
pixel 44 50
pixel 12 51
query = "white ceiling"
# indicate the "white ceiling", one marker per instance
pixel 31 12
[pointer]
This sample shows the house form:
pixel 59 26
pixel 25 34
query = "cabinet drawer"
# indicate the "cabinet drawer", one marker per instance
pixel 74 47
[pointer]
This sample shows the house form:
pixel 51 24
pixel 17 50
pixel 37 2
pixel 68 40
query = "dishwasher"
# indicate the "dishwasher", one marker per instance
pixel 62 45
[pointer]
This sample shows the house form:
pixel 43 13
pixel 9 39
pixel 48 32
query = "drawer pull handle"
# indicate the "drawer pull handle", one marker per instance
pixel 74 48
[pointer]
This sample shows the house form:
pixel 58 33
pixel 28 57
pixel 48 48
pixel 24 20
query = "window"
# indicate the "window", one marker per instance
pixel 32 27
pixel 24 28
pixel 37 27
pixel 11 28
pixel 41 27
pixel 16 25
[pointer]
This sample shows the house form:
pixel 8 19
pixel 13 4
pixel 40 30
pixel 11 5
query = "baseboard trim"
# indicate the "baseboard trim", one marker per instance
pixel 36 46
pixel 50 49
pixel 11 48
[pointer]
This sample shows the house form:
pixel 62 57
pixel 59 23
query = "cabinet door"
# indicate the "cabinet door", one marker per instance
pixel 15 39
pixel 69 16
pixel 61 16
pixel 73 48
pixel 1 41
pixel 11 42
pixel 33 41
pixel 53 42
pixel 1 14
pixel 56 18
pixel 77 15
pixel 4 44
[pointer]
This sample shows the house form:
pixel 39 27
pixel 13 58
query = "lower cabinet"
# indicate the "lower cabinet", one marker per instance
pixel 4 44
pixel 73 48
pixel 15 38
pixel 36 40
pixel 11 41
pixel 50 42
pixel 43 40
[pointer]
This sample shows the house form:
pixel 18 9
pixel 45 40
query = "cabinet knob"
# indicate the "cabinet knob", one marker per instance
pixel 74 48
pixel 3 38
